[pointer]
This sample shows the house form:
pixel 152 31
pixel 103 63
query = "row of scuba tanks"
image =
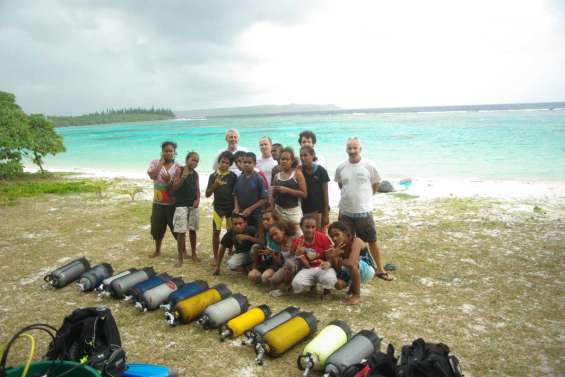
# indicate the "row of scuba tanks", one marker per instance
pixel 333 351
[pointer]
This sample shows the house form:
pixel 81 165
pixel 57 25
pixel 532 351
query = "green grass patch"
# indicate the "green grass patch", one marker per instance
pixel 30 185
pixel 403 196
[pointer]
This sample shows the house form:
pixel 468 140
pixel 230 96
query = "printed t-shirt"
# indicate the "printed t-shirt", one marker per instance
pixel 161 190
pixel 315 251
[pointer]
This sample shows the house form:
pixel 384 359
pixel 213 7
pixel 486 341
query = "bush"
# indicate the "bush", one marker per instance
pixel 10 169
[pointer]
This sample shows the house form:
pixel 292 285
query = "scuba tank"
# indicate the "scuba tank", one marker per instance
pixel 68 273
pixel 244 322
pixel 119 287
pixel 135 292
pixel 285 336
pixel 103 287
pixel 189 309
pixel 359 348
pixel 256 335
pixel 221 312
pixel 152 298
pixel 188 290
pixel 93 277
pixel 329 340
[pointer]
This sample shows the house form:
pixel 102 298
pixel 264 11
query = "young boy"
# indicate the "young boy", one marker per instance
pixel 310 249
pixel 250 193
pixel 186 190
pixel 309 138
pixel 221 184
pixel 238 241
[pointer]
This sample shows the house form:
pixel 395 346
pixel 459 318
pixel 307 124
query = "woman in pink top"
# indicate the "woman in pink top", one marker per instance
pixel 162 172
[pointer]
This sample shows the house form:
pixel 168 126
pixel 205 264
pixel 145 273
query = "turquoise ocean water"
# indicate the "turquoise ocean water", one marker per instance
pixel 491 145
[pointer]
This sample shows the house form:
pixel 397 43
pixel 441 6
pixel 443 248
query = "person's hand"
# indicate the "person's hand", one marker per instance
pixel 219 182
pixel 247 212
pixel 325 265
pixel 299 249
pixel 184 172
pixel 196 203
pixel 337 250
pixel 241 237
pixel 235 210
pixel 266 252
pixel 166 176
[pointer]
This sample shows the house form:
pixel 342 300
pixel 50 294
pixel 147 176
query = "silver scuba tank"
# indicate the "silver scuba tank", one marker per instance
pixel 104 286
pixel 152 298
pixel 68 273
pixel 259 331
pixel 359 348
pixel 221 312
pixel 119 287
pixel 93 277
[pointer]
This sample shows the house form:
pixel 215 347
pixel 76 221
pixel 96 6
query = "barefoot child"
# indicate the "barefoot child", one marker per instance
pixel 262 262
pixel 238 241
pixel 311 248
pixel 186 190
pixel 350 259
pixel 221 184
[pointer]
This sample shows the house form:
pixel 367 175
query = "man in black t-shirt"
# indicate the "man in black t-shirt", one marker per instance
pixel 316 203
pixel 238 241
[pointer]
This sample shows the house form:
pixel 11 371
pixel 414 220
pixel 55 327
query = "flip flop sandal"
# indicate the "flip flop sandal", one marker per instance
pixel 384 276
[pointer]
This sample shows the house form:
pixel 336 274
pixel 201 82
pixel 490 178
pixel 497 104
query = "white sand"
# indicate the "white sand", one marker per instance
pixel 423 188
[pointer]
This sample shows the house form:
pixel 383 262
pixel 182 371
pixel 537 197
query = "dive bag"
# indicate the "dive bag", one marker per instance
pixel 421 359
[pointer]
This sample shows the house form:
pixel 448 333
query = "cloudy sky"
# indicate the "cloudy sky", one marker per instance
pixel 73 57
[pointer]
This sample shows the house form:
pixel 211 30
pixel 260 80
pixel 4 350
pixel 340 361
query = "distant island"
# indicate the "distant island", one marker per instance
pixel 256 110
pixel 293 109
pixel 114 116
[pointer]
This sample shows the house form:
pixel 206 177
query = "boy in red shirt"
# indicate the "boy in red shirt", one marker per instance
pixel 310 249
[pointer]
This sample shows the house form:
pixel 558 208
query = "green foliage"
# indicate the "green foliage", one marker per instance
pixel 14 130
pixel 114 116
pixel 131 191
pixel 10 169
pixel 44 139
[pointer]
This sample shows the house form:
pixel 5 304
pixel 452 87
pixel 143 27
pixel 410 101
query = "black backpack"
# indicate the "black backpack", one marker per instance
pixel 90 335
pixel 423 359
pixel 379 364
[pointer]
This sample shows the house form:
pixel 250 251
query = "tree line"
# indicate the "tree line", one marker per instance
pixel 23 135
pixel 137 114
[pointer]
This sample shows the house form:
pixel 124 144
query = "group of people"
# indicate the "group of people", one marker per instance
pixel 275 210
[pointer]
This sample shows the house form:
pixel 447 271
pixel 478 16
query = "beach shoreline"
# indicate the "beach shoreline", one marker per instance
pixel 421 188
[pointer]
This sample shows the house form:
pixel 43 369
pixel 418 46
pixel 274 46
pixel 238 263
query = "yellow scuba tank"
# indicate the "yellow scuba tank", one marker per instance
pixel 190 309
pixel 283 337
pixel 237 326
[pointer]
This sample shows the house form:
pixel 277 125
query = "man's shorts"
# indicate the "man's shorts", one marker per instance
pixel 218 219
pixel 185 219
pixel 161 216
pixel 362 227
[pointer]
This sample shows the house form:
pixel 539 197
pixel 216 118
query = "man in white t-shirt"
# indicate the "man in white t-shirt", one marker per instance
pixel 232 138
pixel 309 138
pixel 266 162
pixel 359 180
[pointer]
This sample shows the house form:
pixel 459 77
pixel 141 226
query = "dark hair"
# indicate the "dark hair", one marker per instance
pixel 277 145
pixel 287 228
pixel 239 154
pixel 251 155
pixel 309 149
pixel 292 156
pixel 270 211
pixel 307 135
pixel 307 217
pixel 225 155
pixel 238 216
pixel 341 226
pixel 191 153
pixel 164 144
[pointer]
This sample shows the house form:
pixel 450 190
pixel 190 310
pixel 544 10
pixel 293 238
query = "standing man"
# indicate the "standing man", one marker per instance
pixel 266 162
pixel 232 138
pixel 359 181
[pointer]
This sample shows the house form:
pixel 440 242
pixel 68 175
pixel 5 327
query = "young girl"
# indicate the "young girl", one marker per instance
pixel 350 258
pixel 263 267
pixel 289 186
pixel 186 190
pixel 162 172
pixel 284 261
pixel 221 184
pixel 317 202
